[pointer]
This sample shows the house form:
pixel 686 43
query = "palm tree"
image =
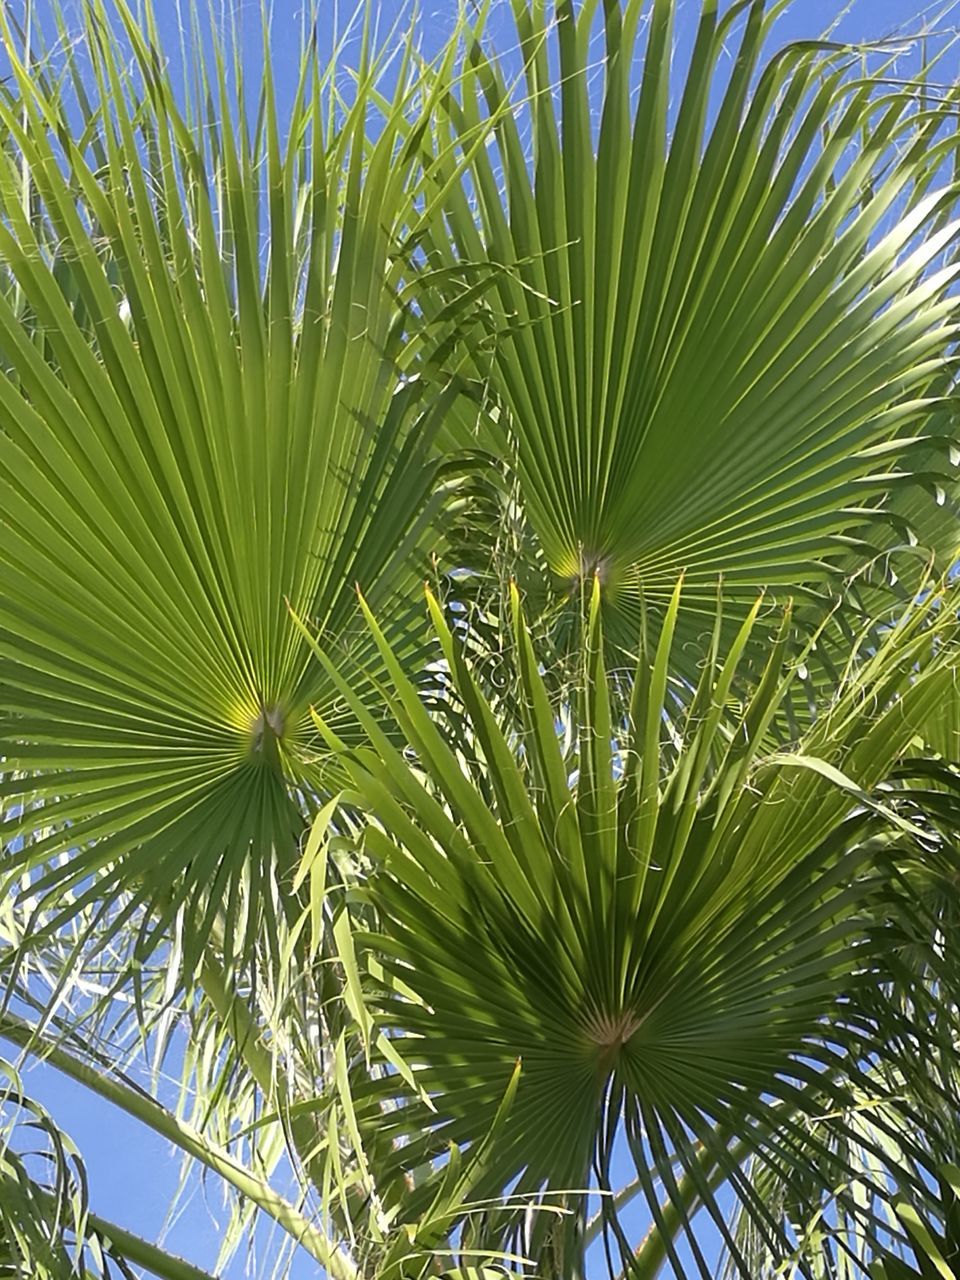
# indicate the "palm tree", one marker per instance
pixel 633 846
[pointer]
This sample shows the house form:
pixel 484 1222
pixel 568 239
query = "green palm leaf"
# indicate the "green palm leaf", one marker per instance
pixel 900 1131
pixel 209 412
pixel 937 1255
pixel 660 928
pixel 719 339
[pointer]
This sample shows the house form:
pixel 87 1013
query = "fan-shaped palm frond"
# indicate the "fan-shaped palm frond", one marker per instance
pixel 720 334
pixel 671 933
pixel 209 410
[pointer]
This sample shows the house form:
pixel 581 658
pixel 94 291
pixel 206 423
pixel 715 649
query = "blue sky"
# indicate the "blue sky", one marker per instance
pixel 132 1173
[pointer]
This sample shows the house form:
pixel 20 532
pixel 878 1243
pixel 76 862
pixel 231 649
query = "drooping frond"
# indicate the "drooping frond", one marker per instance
pixel 47 1228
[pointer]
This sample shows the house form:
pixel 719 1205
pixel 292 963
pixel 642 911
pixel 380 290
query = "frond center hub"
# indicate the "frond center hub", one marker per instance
pixel 610 1032
pixel 267 731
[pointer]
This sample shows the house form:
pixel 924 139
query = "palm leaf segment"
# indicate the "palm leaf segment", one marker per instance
pixel 659 927
pixel 717 331
pixel 915 1096
pixel 937 1255
pixel 202 407
pixel 46 1230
